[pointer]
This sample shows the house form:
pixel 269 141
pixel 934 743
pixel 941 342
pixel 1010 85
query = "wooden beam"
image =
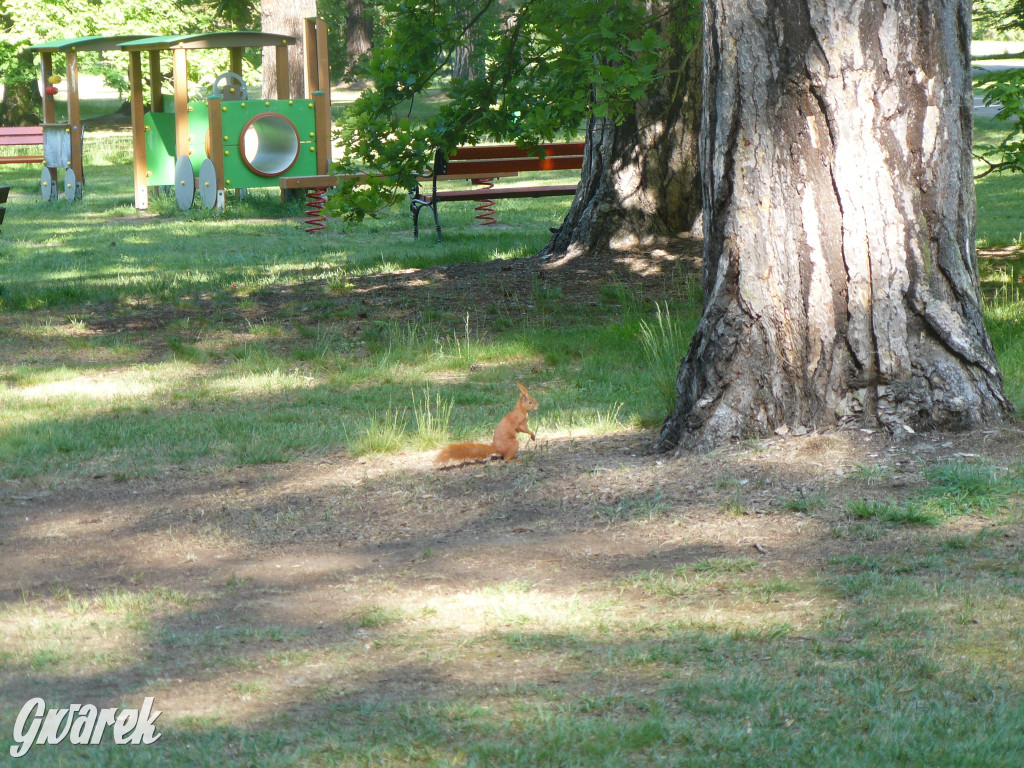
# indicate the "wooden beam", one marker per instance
pixel 180 75
pixel 315 182
pixel 156 82
pixel 138 131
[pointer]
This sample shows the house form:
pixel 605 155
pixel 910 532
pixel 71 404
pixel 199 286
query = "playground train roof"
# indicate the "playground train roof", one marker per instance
pixel 205 40
pixel 201 40
pixel 91 43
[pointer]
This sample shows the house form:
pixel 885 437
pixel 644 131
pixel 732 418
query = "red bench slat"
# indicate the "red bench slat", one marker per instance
pixel 500 151
pixel 21 136
pixel 482 193
pixel 514 164
pixel 8 159
pixel 20 141
pixel 22 130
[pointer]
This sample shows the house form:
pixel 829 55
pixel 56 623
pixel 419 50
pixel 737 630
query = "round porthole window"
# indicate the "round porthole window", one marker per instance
pixel 270 144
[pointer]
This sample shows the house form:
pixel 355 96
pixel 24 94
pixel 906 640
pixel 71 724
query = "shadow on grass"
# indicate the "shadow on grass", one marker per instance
pixel 699 697
pixel 488 631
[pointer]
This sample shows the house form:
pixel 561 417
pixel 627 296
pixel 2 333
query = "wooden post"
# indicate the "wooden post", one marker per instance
pixel 49 105
pixel 318 87
pixel 323 70
pixel 322 121
pixel 236 60
pixel 214 108
pixel 309 47
pixel 74 119
pixel 156 82
pixel 180 75
pixel 283 86
pixel 138 130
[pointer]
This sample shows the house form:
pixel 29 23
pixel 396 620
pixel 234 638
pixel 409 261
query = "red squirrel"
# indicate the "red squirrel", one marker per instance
pixel 505 442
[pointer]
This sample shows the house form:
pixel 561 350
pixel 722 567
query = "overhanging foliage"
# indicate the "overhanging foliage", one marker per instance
pixel 540 68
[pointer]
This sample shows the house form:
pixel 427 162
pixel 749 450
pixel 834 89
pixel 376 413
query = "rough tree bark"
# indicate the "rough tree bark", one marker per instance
pixel 285 17
pixel 641 178
pixel 358 31
pixel 462 62
pixel 466 64
pixel 840 275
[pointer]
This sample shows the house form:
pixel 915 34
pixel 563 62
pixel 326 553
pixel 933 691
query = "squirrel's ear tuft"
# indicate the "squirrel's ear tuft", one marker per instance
pixel 522 388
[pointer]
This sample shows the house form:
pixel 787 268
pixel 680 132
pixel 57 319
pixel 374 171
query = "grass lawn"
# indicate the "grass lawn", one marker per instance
pixel 216 490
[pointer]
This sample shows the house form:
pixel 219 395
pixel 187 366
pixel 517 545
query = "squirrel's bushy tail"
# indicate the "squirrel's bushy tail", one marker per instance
pixel 464 452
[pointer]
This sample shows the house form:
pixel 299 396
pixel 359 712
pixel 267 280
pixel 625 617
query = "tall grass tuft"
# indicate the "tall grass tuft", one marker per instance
pixel 381 434
pixel 911 512
pixel 433 419
pixel 664 343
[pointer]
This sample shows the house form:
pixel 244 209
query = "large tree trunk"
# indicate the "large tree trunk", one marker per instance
pixel 840 276
pixel 462 62
pixel 641 178
pixel 466 64
pixel 358 31
pixel 285 17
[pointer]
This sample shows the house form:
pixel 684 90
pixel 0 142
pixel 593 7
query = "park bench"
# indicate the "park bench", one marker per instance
pixel 30 136
pixel 481 164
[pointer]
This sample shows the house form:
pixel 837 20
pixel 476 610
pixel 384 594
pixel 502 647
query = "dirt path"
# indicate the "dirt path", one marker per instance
pixel 571 514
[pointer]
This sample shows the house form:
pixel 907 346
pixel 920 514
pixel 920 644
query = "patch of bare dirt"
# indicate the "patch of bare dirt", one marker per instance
pixel 548 519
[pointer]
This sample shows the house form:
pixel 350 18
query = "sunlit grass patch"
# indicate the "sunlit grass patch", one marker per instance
pixel 960 487
pixel 376 617
pixel 1003 319
pixel 722 565
pixel 675 583
pixel 716 576
pixel 70 631
pixel 230 385
pixel 955 488
pixel 379 433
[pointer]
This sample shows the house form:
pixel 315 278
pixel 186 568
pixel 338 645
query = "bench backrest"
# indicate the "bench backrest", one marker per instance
pixel 21 136
pixel 498 158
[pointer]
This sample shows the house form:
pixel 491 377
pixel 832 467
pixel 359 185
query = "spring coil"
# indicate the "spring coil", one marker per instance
pixel 487 215
pixel 315 219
